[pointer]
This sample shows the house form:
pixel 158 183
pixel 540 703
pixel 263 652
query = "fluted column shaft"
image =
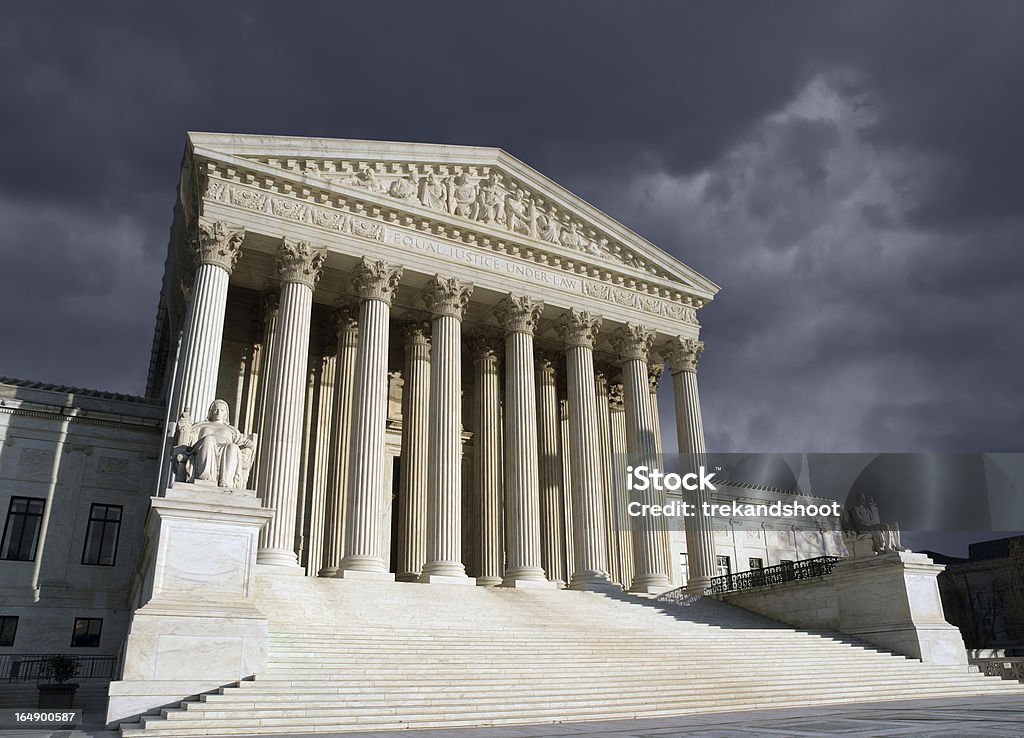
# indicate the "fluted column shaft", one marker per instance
pixel 341 432
pixel 488 461
pixel 578 329
pixel 700 540
pixel 655 369
pixel 299 265
pixel 518 317
pixel 375 283
pixel 604 434
pixel 216 249
pixel 651 566
pixel 549 453
pixel 623 523
pixel 446 299
pixel 412 504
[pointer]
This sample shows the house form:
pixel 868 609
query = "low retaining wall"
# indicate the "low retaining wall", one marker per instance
pixel 891 601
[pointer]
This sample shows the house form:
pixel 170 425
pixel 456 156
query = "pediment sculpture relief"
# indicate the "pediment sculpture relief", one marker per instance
pixel 483 195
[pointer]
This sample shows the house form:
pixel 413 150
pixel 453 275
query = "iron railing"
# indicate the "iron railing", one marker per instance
pixel 791 572
pixel 1011 668
pixel 35 667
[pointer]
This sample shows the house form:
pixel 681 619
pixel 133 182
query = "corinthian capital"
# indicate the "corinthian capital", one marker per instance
pixel 683 354
pixel 633 341
pixel 218 243
pixel 518 313
pixel 447 296
pixel 300 261
pixel 376 280
pixel 484 346
pixel 579 328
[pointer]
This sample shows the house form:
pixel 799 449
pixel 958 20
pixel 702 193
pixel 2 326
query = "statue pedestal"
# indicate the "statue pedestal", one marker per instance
pixel 197 628
pixel 892 600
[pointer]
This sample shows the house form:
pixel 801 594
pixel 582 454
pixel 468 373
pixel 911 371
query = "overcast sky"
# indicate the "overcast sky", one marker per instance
pixel 851 174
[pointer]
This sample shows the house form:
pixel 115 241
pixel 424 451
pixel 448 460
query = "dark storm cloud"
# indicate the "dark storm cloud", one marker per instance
pixel 871 257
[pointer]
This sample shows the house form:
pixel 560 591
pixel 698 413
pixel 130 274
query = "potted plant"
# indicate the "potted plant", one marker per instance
pixel 60 667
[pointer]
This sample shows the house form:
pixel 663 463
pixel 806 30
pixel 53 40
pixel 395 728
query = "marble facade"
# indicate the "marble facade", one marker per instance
pixel 334 276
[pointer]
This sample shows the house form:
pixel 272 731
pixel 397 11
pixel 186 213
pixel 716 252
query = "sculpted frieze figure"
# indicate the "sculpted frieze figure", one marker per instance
pixel 367 179
pixel 462 194
pixel 572 238
pixel 212 450
pixel 492 201
pixel 434 193
pixel 862 526
pixel 405 188
pixel 520 215
pixel 549 229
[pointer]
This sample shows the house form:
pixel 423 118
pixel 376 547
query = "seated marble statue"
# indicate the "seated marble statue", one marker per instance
pixel 212 450
pixel 861 523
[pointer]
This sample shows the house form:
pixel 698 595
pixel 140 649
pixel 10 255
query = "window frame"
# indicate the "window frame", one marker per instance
pixel 99 632
pixel 5 542
pixel 4 620
pixel 104 522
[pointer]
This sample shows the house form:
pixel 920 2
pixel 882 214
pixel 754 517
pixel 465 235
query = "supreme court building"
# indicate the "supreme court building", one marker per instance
pixel 383 369
pixel 485 344
pixel 438 359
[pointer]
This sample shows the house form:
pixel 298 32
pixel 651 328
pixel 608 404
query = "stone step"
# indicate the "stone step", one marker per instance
pixel 392 721
pixel 637 687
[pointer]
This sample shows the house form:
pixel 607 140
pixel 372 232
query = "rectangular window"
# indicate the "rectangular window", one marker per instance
pixel 8 629
pixel 21 532
pixel 87 632
pixel 101 537
pixel 724 566
pixel 753 563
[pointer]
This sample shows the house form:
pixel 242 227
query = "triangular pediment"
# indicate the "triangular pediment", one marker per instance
pixel 484 188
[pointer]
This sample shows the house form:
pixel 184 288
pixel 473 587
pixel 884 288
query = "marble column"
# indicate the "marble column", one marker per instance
pixel 216 248
pixel 375 283
pixel 549 454
pixel 341 433
pixel 563 436
pixel 633 343
pixel 518 316
pixel 487 461
pixel 604 432
pixel 578 329
pixel 321 412
pixel 655 368
pixel 700 538
pixel 412 503
pixel 623 523
pixel 299 265
pixel 446 299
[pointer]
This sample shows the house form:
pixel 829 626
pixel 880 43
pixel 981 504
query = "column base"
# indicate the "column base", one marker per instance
pixel 443 569
pixel 328 571
pixel 444 579
pixel 362 563
pixel 277 557
pixel 488 581
pixel 651 584
pixel 409 576
pixel 528 584
pixel 376 576
pixel 697 586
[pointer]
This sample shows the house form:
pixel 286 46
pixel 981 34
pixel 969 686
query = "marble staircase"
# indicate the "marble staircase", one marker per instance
pixel 360 655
